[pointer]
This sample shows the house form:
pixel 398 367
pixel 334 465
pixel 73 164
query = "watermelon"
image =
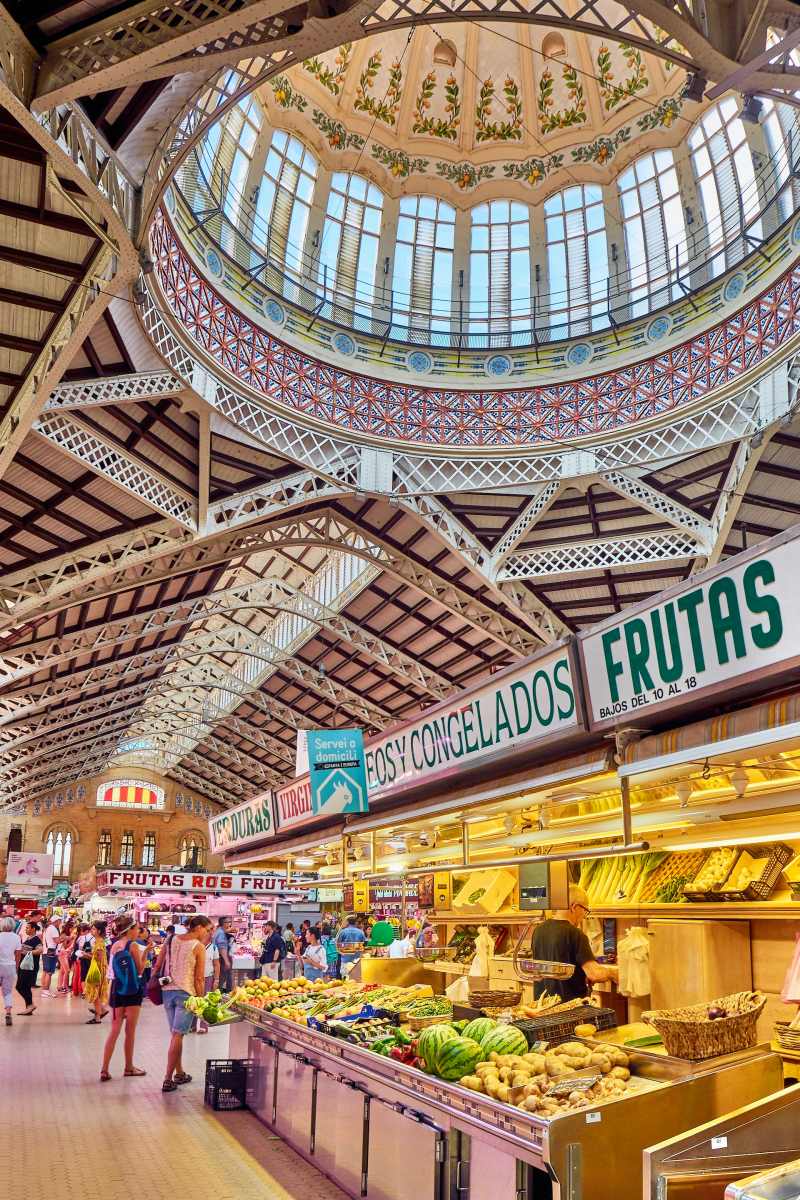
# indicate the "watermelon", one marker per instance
pixel 478 1029
pixel 457 1058
pixel 431 1040
pixel 504 1039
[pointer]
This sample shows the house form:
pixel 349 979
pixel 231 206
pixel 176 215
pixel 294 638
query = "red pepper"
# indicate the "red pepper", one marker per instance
pixel 398 1053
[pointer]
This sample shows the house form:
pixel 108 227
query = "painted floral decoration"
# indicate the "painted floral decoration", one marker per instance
pixel 662 116
pixel 400 164
pixel 286 96
pixel 441 127
pixel 464 175
pixel 331 78
pixel 386 109
pixel 335 132
pixel 603 149
pixel 533 170
pixel 499 131
pixel 613 93
pixel 564 118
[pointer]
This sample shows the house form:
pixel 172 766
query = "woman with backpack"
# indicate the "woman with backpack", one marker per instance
pixel 126 964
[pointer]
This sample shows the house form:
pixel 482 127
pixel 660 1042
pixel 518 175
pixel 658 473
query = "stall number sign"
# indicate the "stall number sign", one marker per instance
pixel 361 896
pixel 249 823
pixel 443 890
pixel 731 624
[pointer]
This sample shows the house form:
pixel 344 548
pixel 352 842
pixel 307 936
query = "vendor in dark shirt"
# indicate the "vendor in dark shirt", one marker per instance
pixel 558 939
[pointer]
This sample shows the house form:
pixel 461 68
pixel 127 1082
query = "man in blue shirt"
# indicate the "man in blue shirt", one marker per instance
pixel 222 942
pixel 350 933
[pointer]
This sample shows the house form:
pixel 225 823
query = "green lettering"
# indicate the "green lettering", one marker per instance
pixel 469 728
pixel 689 605
pixel 542 676
pixel 763 572
pixel 613 668
pixel 565 687
pixel 485 742
pixel 429 746
pixel 250 827
pixel 415 748
pixel 442 740
pixel 638 648
pixel 456 742
pixel 518 690
pixel 668 672
pixel 501 721
pixel 728 622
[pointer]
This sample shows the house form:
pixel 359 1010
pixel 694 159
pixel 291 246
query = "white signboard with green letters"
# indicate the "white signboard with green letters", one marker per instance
pixel 733 626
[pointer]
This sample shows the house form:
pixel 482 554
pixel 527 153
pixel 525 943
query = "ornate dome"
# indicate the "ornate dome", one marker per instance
pixel 477 104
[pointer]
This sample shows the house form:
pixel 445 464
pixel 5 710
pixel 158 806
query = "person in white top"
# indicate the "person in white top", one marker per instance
pixel 10 943
pixel 402 947
pixel 50 956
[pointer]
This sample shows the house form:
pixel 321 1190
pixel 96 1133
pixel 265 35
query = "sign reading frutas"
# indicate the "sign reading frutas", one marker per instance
pixel 244 825
pixel 719 628
pixel 186 881
pixel 527 706
pixel 336 770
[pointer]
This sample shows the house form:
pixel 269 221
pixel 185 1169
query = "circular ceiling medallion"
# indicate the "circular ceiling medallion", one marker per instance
pixel 734 287
pixel 796 232
pixel 419 361
pixel 579 354
pixel 275 312
pixel 498 365
pixel 343 344
pixel 214 263
pixel 169 200
pixel 658 328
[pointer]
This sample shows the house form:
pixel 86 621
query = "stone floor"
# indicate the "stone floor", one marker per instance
pixel 65 1136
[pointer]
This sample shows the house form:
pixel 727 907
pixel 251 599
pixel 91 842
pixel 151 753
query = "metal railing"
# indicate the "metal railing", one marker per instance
pixel 383 313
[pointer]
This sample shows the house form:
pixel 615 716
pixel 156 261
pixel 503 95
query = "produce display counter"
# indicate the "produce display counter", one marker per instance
pixel 386 1131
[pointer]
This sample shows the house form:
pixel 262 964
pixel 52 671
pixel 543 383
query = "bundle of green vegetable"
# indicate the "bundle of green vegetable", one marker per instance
pixel 619 880
pixel 214 1009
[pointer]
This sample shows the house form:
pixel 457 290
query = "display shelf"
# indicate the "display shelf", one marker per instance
pixel 752 910
pixel 500 918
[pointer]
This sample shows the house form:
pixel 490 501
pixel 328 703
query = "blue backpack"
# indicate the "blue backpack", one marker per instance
pixel 126 977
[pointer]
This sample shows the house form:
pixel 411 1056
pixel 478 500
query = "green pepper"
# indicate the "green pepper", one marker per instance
pixel 402 1038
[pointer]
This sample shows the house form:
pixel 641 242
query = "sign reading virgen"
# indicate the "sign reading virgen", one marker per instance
pixel 731 623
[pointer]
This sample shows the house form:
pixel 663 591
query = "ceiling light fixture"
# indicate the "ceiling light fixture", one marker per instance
pixel 739 780
pixel 683 790
pixel 305 860
pixel 695 87
pixel 751 110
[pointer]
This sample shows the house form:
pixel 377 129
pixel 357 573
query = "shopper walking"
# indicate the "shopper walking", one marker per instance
pixel 273 952
pixel 315 960
pixel 66 944
pixel 10 944
pixel 97 986
pixel 126 963
pixel 28 957
pixel 52 933
pixel 222 940
pixel 183 966
pixel 331 952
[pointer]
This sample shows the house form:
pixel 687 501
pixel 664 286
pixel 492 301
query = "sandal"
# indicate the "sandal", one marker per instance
pixel 182 1078
pixel 169 1085
pixel 94 1021
pixel 137 1071
pixel 104 1076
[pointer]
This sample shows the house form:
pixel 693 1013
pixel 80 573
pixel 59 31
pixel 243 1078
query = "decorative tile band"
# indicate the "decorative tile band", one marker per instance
pixel 471 417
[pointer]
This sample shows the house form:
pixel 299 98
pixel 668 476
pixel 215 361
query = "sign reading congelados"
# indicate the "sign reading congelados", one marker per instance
pixel 723 626
pixel 528 705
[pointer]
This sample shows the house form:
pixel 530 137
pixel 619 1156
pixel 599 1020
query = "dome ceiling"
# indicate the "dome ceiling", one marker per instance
pixel 472 103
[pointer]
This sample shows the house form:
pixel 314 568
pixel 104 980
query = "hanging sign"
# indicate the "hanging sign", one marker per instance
pixel 336 770
pixel 29 870
pixel 361 895
pixel 732 626
pixel 425 886
pixel 187 881
pixel 245 825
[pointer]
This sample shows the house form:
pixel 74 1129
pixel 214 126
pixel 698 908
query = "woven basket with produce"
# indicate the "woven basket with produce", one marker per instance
pixel 703 1031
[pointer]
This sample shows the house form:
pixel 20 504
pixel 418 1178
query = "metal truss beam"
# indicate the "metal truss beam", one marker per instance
pixel 18 59
pixel 627 484
pixel 181 744
pixel 456 537
pixel 156 553
pixel 115 389
pixel 533 511
pixel 125 470
pixel 188 722
pixel 245 508
pixel 600 555
pixel 202 785
pixel 87 305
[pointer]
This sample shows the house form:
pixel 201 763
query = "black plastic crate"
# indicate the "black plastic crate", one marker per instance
pixel 226 1083
pixel 556 1028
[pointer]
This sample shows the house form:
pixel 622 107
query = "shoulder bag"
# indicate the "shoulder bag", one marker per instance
pixel 153 991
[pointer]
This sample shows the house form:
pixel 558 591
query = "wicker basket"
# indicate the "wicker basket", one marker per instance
pixel 689 1033
pixel 496 999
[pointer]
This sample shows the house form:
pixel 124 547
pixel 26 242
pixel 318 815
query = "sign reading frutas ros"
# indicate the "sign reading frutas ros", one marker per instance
pixel 718 628
pixel 241 826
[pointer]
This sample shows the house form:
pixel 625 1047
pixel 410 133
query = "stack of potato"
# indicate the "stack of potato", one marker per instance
pixel 535 1073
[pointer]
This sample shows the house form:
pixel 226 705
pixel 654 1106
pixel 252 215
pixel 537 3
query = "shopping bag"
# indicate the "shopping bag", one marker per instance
pixel 93 976
pixel 28 962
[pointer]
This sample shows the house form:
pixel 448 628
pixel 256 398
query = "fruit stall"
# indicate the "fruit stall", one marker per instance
pixel 395 1095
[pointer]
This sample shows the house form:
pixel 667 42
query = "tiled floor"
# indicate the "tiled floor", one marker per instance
pixel 69 1137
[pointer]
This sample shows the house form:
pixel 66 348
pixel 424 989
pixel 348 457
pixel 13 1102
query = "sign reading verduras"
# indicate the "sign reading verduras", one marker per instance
pixel 245 825
pixel 188 881
pixel 729 626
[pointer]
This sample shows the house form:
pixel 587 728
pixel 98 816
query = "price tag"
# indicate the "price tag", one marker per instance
pixel 719 1143
pixel 594 1118
pixel 575 1083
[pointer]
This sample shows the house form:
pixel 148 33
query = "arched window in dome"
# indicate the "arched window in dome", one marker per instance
pixel 776 124
pixel 348 255
pixel 499 268
pixel 655 231
pixel 422 279
pixel 285 196
pixel 577 260
pixel 223 161
pixel 723 167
